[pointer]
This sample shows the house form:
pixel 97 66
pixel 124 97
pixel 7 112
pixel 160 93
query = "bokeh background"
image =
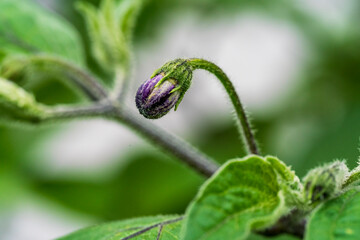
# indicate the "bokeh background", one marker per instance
pixel 295 64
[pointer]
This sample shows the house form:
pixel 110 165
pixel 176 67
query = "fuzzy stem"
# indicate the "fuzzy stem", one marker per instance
pixel 64 112
pixel 168 142
pixel 177 147
pixel 244 124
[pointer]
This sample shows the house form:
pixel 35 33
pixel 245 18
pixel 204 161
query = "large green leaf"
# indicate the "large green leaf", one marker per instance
pixel 337 219
pixel 146 228
pixel 243 195
pixel 27 28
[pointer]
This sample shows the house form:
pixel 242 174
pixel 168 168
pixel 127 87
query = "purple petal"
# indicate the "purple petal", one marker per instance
pixel 145 90
pixel 159 92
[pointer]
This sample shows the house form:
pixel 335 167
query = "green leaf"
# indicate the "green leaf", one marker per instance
pixel 166 227
pixel 17 104
pixel 337 219
pixel 290 183
pixel 129 14
pixel 242 196
pixel 27 28
pixel 110 29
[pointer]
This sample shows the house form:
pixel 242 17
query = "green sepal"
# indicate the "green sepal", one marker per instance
pixel 178 70
pixel 17 104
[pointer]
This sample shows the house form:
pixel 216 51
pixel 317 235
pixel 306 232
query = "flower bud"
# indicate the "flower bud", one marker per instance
pixel 155 101
pixel 164 90
pixel 324 182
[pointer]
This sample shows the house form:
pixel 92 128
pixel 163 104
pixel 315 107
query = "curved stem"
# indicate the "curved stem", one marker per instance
pixel 244 124
pixel 87 83
pixel 168 142
pixel 121 84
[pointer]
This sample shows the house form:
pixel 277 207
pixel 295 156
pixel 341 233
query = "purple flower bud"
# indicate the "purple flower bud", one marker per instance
pixel 154 101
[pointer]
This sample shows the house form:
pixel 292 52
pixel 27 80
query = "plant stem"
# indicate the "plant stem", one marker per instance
pixel 64 112
pixel 168 142
pixel 243 122
pixel 177 147
pixel 121 83
pixel 88 83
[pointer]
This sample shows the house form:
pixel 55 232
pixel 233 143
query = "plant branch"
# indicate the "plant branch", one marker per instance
pixel 88 83
pixel 64 112
pixel 172 144
pixel 121 84
pixel 168 142
pixel 244 124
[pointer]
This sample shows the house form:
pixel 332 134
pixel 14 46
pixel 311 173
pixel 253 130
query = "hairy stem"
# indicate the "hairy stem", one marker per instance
pixel 168 142
pixel 352 178
pixel 177 147
pixel 244 124
pixel 64 112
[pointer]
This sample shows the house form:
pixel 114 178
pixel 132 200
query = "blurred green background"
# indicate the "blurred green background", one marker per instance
pixel 296 65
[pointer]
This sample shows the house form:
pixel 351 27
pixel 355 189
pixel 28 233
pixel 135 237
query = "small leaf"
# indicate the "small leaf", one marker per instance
pixel 151 228
pixel 242 196
pixel 290 183
pixel 26 28
pixel 129 16
pixel 17 104
pixel 110 29
pixel 336 219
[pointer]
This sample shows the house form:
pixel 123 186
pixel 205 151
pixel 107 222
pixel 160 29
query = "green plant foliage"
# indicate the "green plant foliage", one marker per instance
pixel 26 28
pixel 110 30
pixel 289 182
pixel 160 227
pixel 336 219
pixel 243 195
pixel 17 104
